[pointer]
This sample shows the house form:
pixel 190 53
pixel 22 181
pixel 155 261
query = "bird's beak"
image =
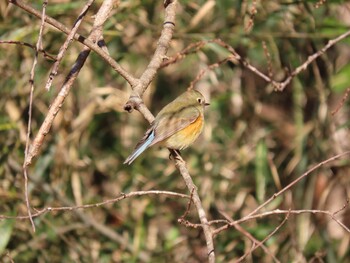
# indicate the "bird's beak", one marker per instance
pixel 206 104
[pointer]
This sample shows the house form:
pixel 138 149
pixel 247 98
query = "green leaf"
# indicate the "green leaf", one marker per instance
pixel 340 81
pixel 6 227
pixel 261 170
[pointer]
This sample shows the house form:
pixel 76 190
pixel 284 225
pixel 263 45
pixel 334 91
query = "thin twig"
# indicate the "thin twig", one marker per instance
pixel 190 49
pixel 253 215
pixel 181 166
pixel 90 221
pixel 343 207
pixel 182 219
pixel 258 244
pixel 46 55
pixel 94 36
pixel 297 180
pixel 86 41
pixel 65 45
pixel 157 58
pixel 255 244
pixel 297 212
pixel 210 67
pixel 30 110
pixel 8 255
pixel 106 202
pixel 278 212
pixel 188 206
pixel 268 57
pixel 230 223
pixel 252 13
pixel 279 85
pixel 340 105
pixel 250 236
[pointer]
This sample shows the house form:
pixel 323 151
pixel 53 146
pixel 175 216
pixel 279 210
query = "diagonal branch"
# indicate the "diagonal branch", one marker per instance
pixel 65 45
pixel 235 57
pixel 260 243
pixel 157 58
pixel 254 214
pixel 297 180
pixel 86 41
pixel 181 166
pixel 94 36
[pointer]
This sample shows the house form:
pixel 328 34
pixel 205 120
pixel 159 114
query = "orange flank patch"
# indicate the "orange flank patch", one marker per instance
pixel 183 138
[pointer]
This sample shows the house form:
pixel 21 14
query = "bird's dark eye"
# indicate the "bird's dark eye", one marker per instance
pixel 199 100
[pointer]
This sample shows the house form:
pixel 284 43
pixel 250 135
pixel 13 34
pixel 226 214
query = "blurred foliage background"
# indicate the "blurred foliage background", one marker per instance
pixel 255 142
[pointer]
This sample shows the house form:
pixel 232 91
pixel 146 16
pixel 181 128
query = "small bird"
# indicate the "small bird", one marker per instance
pixel 176 126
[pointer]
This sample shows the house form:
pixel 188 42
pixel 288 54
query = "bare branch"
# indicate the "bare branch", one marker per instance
pixel 278 212
pixel 260 243
pixel 181 166
pixel 256 244
pixel 46 55
pixel 252 12
pixel 182 218
pixel 297 180
pixel 106 202
pixel 94 36
pixel 268 57
pixel 205 70
pixel 346 95
pixel 251 237
pixel 65 45
pixel 280 86
pixel 30 110
pixel 157 59
pixel 86 41
pixel 135 102
pixel 190 49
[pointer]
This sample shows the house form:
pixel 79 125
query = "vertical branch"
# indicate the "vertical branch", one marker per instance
pixel 181 166
pixel 157 58
pixel 135 102
pixel 31 81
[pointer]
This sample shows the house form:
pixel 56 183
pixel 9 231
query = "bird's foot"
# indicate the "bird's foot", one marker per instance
pixel 175 153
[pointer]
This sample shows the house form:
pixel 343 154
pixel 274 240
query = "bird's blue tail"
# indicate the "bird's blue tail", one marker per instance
pixel 143 145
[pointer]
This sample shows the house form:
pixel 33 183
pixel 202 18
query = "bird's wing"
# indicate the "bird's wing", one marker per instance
pixel 170 123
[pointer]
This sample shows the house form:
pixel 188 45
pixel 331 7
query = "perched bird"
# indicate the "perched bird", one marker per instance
pixel 176 126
